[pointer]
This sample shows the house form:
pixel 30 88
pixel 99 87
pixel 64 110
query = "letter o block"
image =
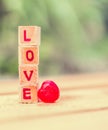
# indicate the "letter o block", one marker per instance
pixel 29 55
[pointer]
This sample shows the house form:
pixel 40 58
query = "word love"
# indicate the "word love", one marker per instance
pixel 29 41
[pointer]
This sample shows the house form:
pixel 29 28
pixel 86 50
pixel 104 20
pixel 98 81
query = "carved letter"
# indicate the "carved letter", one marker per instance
pixel 29 55
pixel 25 38
pixel 26 93
pixel 28 77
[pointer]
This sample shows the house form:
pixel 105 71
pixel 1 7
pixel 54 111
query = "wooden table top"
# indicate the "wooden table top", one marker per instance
pixel 83 105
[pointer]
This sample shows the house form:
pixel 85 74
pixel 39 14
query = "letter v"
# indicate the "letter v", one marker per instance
pixel 28 77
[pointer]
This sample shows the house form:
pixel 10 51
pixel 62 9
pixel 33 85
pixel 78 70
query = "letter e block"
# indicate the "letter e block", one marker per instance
pixel 28 94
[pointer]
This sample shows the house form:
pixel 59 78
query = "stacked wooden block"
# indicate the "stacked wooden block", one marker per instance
pixel 29 40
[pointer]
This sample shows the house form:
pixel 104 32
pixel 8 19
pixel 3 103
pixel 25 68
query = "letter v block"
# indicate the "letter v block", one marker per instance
pixel 29 35
pixel 29 55
pixel 28 75
pixel 28 94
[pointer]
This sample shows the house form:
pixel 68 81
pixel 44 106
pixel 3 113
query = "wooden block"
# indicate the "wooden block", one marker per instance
pixel 29 35
pixel 28 55
pixel 28 94
pixel 28 75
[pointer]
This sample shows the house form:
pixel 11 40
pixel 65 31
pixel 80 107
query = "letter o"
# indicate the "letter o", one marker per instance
pixel 29 55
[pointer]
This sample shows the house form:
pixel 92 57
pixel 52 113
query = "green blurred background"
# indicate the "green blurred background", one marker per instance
pixel 73 40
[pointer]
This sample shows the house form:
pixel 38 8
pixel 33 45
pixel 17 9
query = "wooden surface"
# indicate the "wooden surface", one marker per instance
pixel 83 105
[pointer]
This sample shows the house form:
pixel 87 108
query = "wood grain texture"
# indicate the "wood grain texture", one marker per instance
pixel 83 104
